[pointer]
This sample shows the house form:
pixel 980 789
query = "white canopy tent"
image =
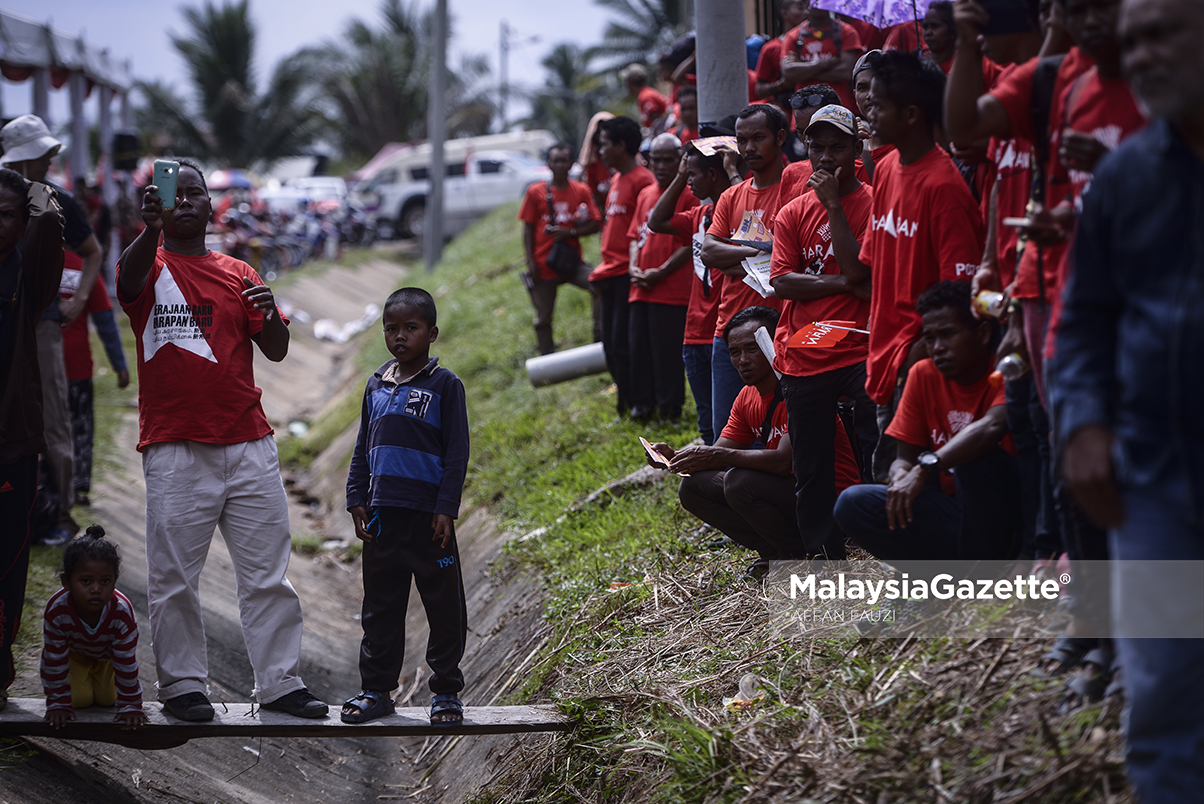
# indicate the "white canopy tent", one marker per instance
pixel 33 51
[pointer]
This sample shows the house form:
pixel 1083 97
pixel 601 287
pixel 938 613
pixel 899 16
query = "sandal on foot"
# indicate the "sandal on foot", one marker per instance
pixel 1091 684
pixel 1068 652
pixel 368 705
pixel 757 570
pixel 446 704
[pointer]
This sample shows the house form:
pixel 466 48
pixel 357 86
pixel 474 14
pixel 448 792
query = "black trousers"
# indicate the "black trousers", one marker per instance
pixel 658 373
pixel 79 398
pixel 18 490
pixel 616 326
pixel 754 509
pixel 543 299
pixel 811 408
pixel 406 548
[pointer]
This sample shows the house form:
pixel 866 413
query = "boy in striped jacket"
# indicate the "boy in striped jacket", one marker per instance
pixel 403 494
pixel 90 637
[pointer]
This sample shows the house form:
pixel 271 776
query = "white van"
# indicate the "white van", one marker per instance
pixel 481 173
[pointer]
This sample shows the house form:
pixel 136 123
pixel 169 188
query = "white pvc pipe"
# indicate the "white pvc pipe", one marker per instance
pixel 567 365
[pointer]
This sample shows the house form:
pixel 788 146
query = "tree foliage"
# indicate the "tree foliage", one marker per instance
pixel 373 82
pixel 571 93
pixel 643 29
pixel 226 121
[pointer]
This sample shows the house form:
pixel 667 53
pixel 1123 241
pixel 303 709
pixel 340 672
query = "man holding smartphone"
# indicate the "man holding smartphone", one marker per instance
pixel 207 452
pixel 29 150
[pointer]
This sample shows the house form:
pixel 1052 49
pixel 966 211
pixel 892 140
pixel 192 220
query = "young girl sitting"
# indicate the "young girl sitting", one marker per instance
pixel 91 637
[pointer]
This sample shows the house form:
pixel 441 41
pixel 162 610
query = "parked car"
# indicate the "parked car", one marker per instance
pixel 471 188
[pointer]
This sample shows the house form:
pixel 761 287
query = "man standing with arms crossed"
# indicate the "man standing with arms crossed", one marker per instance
pixel 208 453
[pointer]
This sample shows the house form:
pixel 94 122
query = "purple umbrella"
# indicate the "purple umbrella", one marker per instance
pixel 880 13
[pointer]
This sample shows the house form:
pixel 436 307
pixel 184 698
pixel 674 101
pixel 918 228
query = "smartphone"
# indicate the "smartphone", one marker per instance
pixel 167 173
pixel 1019 223
pixel 1007 17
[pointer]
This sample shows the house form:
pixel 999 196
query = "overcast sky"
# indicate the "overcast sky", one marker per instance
pixel 140 31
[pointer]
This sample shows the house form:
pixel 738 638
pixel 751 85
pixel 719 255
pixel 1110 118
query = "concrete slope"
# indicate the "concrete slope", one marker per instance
pixel 505 625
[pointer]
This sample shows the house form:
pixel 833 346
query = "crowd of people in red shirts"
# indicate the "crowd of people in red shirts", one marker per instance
pixel 898 217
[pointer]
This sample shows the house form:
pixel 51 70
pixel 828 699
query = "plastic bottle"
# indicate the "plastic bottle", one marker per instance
pixel 1013 367
pixel 990 303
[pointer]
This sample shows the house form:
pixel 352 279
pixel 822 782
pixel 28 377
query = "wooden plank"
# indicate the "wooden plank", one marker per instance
pixel 24 717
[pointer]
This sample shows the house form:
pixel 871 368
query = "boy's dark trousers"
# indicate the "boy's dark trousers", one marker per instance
pixel 405 547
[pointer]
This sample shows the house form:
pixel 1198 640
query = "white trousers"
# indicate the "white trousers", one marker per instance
pixel 191 488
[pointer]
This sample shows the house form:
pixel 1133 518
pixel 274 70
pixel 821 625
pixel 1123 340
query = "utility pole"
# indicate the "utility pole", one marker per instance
pixel 721 59
pixel 432 235
pixel 503 73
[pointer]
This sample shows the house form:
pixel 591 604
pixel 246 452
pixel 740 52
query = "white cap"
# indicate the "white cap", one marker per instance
pixel 27 138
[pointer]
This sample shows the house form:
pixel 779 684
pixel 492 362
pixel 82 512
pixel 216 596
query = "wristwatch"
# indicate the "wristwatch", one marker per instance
pixel 930 461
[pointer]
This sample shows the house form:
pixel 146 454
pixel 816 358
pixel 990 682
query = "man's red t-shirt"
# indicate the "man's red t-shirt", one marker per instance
pixel 934 409
pixel 803 244
pixel 735 207
pixel 1014 178
pixel 620 209
pixel 574 205
pixel 656 249
pixel 748 414
pixel 196 380
pixel 811 46
pixel 769 62
pixel 703 310
pixel 925 227
pixel 597 177
pixel 871 35
pixel 990 71
pixel 1015 93
pixel 1107 111
pixel 77 348
pixel 796 174
pixel 652 106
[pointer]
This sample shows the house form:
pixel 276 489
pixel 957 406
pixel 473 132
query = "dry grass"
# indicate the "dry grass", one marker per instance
pixel 845 719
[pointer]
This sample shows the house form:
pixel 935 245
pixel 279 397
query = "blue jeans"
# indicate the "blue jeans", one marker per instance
pixel 697 357
pixel 980 522
pixel 1165 718
pixel 725 385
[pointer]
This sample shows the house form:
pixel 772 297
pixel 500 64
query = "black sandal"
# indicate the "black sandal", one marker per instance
pixel 369 705
pixel 447 703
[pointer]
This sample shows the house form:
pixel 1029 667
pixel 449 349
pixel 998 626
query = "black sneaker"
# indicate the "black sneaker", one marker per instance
pixel 191 706
pixel 298 703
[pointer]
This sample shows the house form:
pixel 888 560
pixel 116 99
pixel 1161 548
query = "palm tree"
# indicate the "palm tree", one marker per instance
pixel 227 121
pixel 373 83
pixel 644 28
pixel 571 93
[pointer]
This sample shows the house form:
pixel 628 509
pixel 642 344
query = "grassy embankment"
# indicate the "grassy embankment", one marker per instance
pixel 648 632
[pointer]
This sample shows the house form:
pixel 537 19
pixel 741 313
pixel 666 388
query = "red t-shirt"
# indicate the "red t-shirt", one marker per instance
pixel 803 244
pixel 703 310
pixel 686 134
pixel 574 205
pixel 597 177
pixel 1106 110
pixel 926 227
pixel 905 36
pixel 652 106
pixel 872 36
pixel 77 348
pixel 1014 178
pixel 656 249
pixel 934 409
pixel 1015 93
pixel 748 414
pixel 737 205
pixel 990 71
pixel 796 174
pixel 812 46
pixel 620 209
pixel 196 380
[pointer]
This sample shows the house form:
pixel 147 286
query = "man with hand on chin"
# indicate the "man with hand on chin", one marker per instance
pixel 208 453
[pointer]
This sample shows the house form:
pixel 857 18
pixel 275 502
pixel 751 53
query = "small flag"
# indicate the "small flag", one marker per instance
pixel 823 334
